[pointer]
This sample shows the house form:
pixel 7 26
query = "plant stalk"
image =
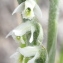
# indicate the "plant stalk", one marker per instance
pixel 61 54
pixel 52 30
pixel 20 1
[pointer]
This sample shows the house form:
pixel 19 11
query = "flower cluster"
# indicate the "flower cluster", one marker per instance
pixel 29 34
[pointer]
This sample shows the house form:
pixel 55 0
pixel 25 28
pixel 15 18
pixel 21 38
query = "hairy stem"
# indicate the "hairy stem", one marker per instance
pixel 20 1
pixel 52 30
pixel 61 54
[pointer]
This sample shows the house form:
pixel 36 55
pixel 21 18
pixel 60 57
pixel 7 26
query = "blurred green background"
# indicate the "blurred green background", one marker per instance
pixel 8 22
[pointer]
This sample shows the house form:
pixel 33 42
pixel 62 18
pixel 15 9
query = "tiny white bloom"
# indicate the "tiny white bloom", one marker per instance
pixel 29 9
pixel 28 51
pixel 22 29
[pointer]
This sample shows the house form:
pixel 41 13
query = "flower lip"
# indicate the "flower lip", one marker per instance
pixel 28 11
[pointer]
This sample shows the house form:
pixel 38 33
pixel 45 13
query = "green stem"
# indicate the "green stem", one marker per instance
pixel 52 30
pixel 61 54
pixel 20 1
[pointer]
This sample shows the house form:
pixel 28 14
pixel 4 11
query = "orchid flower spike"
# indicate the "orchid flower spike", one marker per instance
pixel 22 29
pixel 29 9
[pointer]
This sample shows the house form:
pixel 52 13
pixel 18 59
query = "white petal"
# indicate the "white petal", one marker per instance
pixel 34 58
pixel 40 36
pixel 32 31
pixel 23 28
pixel 20 8
pixel 30 3
pixel 13 35
pixel 28 51
pixel 17 32
pixel 31 38
pixel 38 12
pixel 9 34
pixel 15 55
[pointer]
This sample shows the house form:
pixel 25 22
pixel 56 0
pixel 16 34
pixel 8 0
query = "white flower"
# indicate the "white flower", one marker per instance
pixel 29 9
pixel 22 29
pixel 30 51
